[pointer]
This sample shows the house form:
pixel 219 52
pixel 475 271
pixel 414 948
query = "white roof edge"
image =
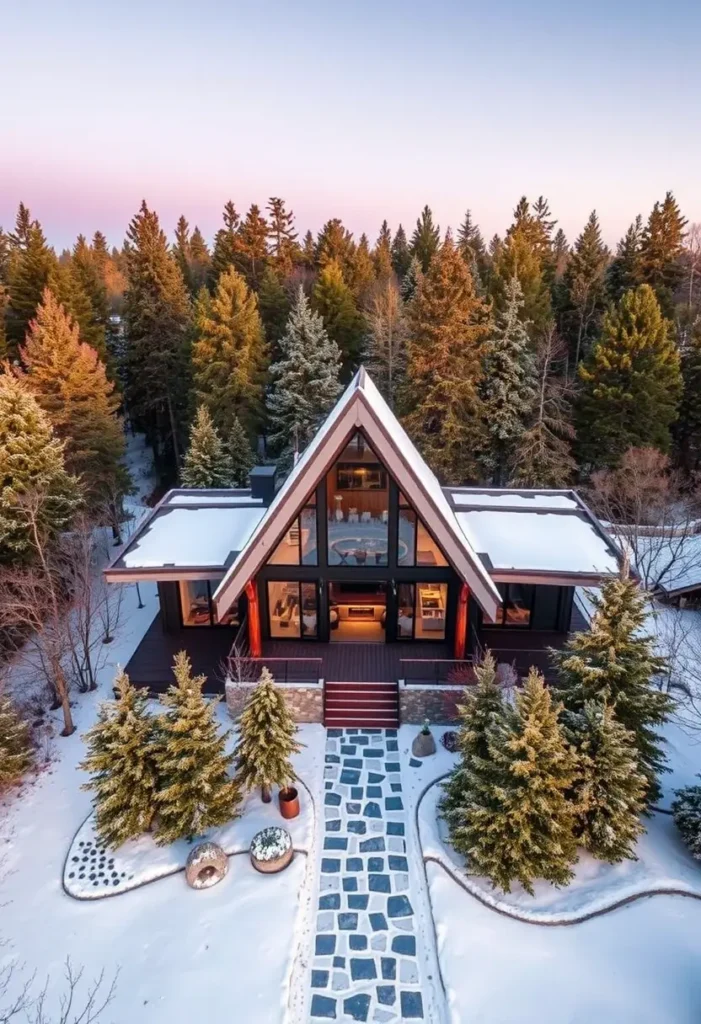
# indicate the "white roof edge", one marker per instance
pixel 361 405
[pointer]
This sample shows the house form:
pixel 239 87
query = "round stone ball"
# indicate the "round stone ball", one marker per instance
pixel 206 865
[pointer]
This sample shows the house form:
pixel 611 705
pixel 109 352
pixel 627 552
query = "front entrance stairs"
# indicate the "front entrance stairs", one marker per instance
pixel 370 705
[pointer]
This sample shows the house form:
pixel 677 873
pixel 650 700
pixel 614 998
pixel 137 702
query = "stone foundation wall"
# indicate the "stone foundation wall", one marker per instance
pixel 306 703
pixel 438 704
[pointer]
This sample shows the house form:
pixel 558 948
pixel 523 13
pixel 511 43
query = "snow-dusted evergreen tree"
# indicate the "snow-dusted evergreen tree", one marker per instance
pixel 31 461
pixel 609 793
pixel 16 755
pixel 615 662
pixel 686 809
pixel 482 704
pixel 121 763
pixel 240 454
pixel 517 822
pixel 508 386
pixel 305 382
pixel 207 462
pixel 266 739
pixel 195 791
pixel 412 280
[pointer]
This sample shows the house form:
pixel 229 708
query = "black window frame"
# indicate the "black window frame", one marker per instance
pixel 213 624
pixel 501 622
pixel 299 583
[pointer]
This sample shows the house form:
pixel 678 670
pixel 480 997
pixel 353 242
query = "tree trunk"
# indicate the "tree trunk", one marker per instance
pixel 265 794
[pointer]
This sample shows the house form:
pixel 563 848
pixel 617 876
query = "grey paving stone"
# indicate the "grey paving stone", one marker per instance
pixel 362 968
pixel 349 777
pixel 357 1007
pixel 329 882
pixel 332 759
pixel 415 763
pixel 331 901
pixel 374 778
pixel 333 825
pixel 379 883
pixel 376 864
pixel 405 923
pixel 347 922
pixel 412 1005
pixel 330 865
pixel 348 748
pixel 356 793
pixel 372 810
pixel 392 746
pixel 381 1016
pixel 323 1006
pixel 401 882
pixel 376 752
pixel 358 901
pixel 324 922
pixel 352 808
pixel 395 828
pixel 334 732
pixel 408 972
pixel 392 767
pixel 352 762
pixel 378 922
pixel 339 981
pixel 336 843
pixel 357 943
pixel 396 787
pixel 374 845
pixel 386 994
pixel 399 906
pixel 393 803
pixel 320 979
pixel 325 945
pixel 376 825
pixel 350 884
pixel 378 942
pixel 339 961
pixel 371 732
pixel 374 792
pixel 354 864
pixel 395 844
pixel 388 965
pixel 332 799
pixel 398 863
pixel 359 827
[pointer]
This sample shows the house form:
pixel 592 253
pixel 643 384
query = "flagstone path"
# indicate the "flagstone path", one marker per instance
pixel 365 965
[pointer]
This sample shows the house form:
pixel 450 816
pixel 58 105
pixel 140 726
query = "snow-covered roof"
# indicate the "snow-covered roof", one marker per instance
pixel 189 533
pixel 361 406
pixel 669 564
pixel 538 532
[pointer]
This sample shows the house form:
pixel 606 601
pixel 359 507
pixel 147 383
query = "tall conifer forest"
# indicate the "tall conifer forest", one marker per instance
pixel 527 359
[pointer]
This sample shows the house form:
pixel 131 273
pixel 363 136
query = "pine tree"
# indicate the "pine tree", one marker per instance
pixel 471 247
pixel 206 462
pixel 157 324
pixel 70 383
pixel 362 272
pixel 305 381
pixel 240 454
pixel 31 461
pixel 401 254
pixel 631 383
pixel 609 792
pixel 686 809
pixel 333 299
pixel 661 252
pixel 426 240
pixel 543 455
pixel 200 262
pixel 284 249
pixel 195 792
pixel 226 244
pixel 413 280
pixel 86 272
pixel 688 428
pixel 382 253
pixel 16 755
pixel 32 263
pixel 387 330
pixel 335 245
pixel 517 823
pixel 309 251
pixel 585 289
pixel 615 662
pixel 624 270
pixel 561 254
pixel 229 354
pixel 482 705
pixel 266 739
pixel 508 388
pixel 181 250
pixel 525 253
pixel 121 761
pixel 252 253
pixel 274 305
pixel 447 325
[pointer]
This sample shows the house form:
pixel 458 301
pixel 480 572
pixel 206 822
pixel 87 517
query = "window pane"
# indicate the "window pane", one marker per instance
pixel 283 604
pixel 194 602
pixel 431 601
pixel 406 543
pixel 309 610
pixel 287 551
pixel 357 500
pixel 308 536
pixel 405 611
pixel 427 551
pixel 518 604
pixel 230 617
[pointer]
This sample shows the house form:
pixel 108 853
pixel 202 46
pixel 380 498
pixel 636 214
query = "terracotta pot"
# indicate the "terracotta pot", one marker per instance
pixel 289 802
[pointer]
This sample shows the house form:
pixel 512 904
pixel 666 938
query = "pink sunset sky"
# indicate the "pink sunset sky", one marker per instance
pixel 358 110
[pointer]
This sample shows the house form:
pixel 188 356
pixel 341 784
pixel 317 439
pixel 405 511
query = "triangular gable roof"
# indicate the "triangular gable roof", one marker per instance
pixel 361 406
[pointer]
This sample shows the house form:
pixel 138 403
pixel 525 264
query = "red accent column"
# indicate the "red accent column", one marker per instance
pixel 461 622
pixel 254 634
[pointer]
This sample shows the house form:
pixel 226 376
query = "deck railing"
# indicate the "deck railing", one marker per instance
pixel 302 671
pixel 444 671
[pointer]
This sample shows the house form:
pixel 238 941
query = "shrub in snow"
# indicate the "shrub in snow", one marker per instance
pixel 686 809
pixel 609 792
pixel 206 462
pixel 121 763
pixel 195 791
pixel 15 746
pixel 266 739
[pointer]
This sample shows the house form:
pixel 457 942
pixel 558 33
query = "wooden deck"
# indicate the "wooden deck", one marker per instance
pixel 356 663
pixel 151 663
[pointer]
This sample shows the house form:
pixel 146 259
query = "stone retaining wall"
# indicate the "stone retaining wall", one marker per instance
pixel 306 702
pixel 438 704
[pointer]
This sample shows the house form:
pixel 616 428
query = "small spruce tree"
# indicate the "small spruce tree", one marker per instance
pixel 240 454
pixel 615 662
pixel 686 809
pixel 609 793
pixel 206 463
pixel 16 755
pixel 121 763
pixel 518 824
pixel 195 792
pixel 266 739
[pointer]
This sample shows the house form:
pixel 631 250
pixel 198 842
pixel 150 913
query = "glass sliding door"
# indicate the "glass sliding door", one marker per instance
pixel 293 610
pixel 357 612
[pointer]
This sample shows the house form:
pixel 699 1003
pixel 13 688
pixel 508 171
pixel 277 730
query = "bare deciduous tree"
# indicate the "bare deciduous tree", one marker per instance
pixel 654 514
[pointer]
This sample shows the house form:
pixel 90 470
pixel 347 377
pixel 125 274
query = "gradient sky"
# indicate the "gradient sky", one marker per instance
pixel 353 109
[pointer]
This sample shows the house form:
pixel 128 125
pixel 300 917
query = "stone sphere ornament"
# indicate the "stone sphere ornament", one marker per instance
pixel 206 865
pixel 271 850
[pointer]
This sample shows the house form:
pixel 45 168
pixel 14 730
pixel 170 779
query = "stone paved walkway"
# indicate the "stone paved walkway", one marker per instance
pixel 364 961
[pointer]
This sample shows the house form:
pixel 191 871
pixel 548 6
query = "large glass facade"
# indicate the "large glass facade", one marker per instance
pixel 197 607
pixel 357 506
pixel 293 609
pixel 299 545
pixel 415 545
pixel 430 611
